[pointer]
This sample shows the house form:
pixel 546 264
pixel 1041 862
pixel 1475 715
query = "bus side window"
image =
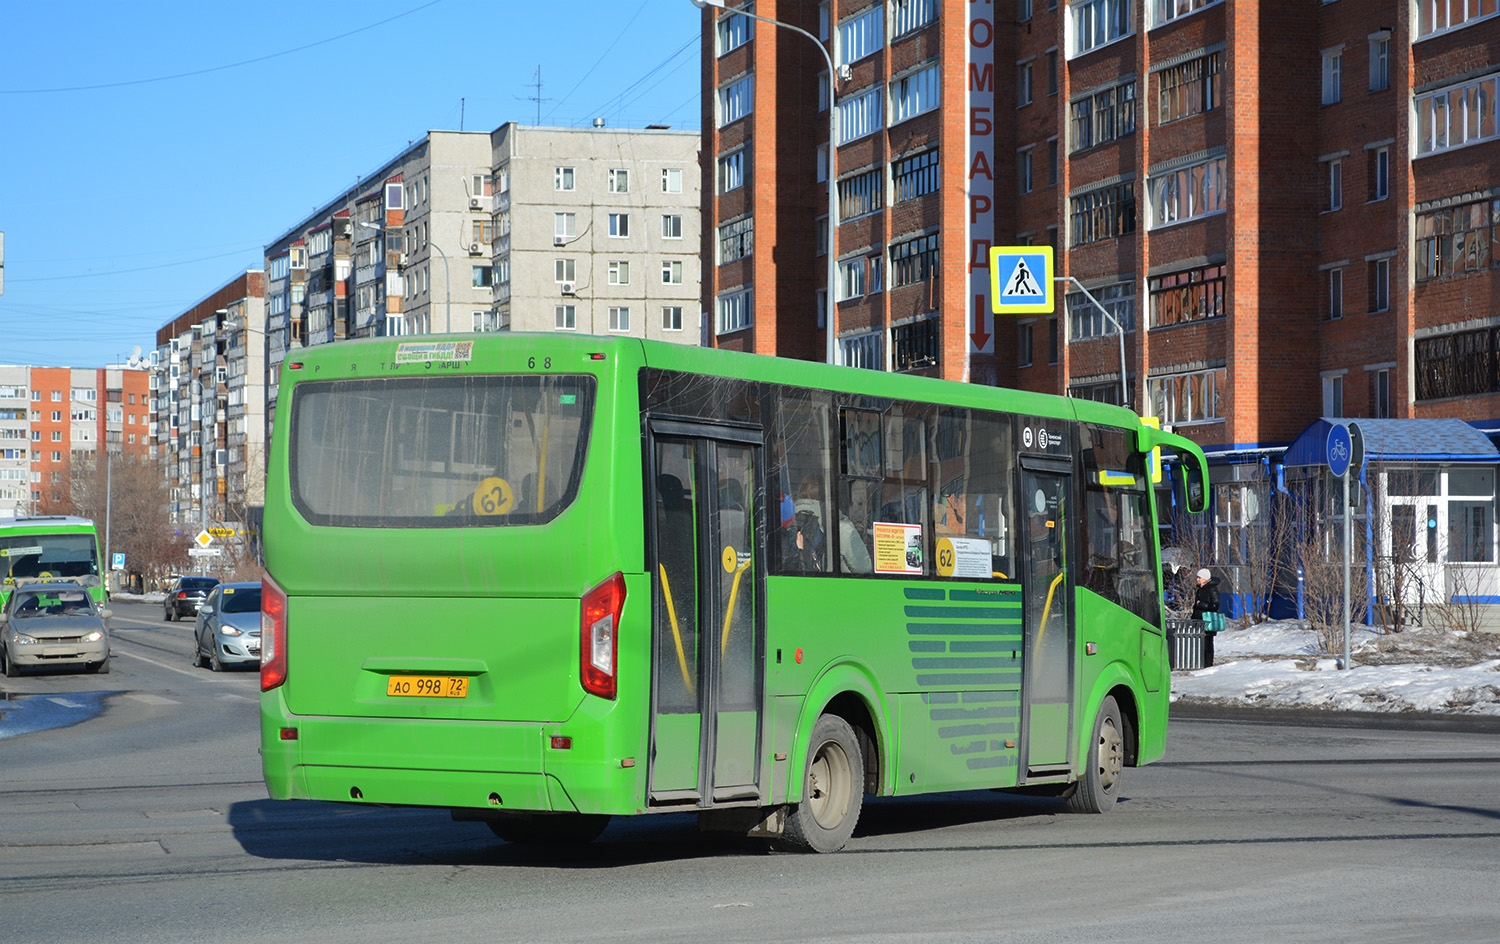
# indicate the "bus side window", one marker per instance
pixel 800 442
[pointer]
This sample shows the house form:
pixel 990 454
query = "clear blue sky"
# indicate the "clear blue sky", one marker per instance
pixel 149 151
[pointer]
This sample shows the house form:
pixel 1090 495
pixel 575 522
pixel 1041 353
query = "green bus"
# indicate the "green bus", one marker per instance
pixel 47 548
pixel 541 580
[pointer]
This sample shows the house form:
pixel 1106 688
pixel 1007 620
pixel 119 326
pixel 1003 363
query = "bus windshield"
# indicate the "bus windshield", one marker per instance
pixel 46 556
pixel 440 452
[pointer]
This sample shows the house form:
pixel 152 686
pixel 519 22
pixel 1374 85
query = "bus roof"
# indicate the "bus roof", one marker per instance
pixel 42 522
pixel 379 353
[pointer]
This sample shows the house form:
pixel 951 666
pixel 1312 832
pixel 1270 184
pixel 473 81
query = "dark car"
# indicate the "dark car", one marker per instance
pixel 53 624
pixel 185 595
pixel 227 631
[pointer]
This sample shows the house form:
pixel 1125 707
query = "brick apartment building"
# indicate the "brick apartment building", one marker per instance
pixel 1293 208
pixel 53 418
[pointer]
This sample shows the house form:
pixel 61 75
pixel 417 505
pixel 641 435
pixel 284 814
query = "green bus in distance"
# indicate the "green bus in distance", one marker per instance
pixel 49 548
pixel 541 580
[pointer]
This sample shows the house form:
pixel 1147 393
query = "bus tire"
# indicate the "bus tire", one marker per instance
pixel 832 790
pixel 562 829
pixel 1097 791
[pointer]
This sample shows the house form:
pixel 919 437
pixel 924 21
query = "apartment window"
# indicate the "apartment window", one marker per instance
pixel 860 114
pixel 485 321
pixel 820 165
pixel 915 94
pixel 57 416
pixel 909 15
pixel 1335 294
pixel 567 316
pixel 619 225
pixel 1097 22
pixel 851 279
pixel 1168 10
pixel 564 270
pixel 619 180
pixel 671 272
pixel 862 350
pixel 1333 395
pixel 820 236
pixel 56 396
pixel 1023 13
pixel 1380 173
pixel 619 272
pixel 565 225
pixel 914 260
pixel 736 239
pixel 671 226
pixel 619 318
pixel 732 171
pixel 1052 341
pixel 734 311
pixel 1333 68
pixel 1189 397
pixel 1380 62
pixel 1189 192
pixel 56 453
pixel 1023 344
pixel 1335 194
pixel 484 276
pixel 1053 169
pixel 1190 295
pixel 1052 72
pixel 733 30
pixel 1023 169
pixel 1023 84
pixel 1455 116
pixel 736 100
pixel 1380 394
pixel 671 180
pixel 671 318
pixel 861 194
pixel 861 35
pixel 1086 321
pixel 1456 240
pixel 1434 16
pixel 1380 284
pixel 483 232
pixel 1190 88
pixel 915 175
pixel 562 178
pixel 1102 214
pixel 915 346
pixel 1101 117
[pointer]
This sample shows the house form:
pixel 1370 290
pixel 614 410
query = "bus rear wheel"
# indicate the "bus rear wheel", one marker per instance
pixel 1100 786
pixel 564 829
pixel 832 790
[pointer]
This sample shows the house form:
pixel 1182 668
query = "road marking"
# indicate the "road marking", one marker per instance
pixel 65 703
pixel 151 699
pixel 232 697
pixel 160 665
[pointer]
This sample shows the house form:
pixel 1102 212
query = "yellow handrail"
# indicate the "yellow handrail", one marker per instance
pixel 734 592
pixel 666 590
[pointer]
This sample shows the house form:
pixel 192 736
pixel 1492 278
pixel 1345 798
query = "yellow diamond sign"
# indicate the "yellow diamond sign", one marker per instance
pixel 204 539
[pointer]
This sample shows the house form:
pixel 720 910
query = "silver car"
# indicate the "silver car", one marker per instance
pixel 57 624
pixel 228 627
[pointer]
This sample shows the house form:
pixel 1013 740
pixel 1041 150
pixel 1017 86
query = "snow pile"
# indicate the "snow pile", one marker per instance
pixel 1280 665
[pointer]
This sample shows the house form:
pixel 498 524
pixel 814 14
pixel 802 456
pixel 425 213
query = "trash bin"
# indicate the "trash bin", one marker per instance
pixel 1185 643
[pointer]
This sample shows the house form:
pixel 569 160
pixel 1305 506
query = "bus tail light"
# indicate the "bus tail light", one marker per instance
pixel 272 634
pixel 598 649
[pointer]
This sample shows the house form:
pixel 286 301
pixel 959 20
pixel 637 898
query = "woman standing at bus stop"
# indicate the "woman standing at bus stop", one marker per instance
pixel 1206 608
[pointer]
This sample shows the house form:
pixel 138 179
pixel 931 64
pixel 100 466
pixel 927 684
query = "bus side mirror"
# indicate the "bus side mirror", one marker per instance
pixel 1194 486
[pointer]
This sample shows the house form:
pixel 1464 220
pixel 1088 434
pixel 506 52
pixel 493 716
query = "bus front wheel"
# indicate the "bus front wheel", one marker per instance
pixel 549 828
pixel 832 790
pixel 1105 763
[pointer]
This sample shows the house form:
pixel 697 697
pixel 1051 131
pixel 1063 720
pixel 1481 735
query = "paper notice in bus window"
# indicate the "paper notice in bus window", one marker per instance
pixel 964 557
pixel 898 548
pixel 416 352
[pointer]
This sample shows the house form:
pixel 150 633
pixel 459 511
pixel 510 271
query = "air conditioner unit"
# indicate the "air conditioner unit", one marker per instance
pixel 559 240
pixel 473 203
pixel 568 288
pixel 473 249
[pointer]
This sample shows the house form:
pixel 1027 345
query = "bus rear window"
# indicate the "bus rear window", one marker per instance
pixel 454 451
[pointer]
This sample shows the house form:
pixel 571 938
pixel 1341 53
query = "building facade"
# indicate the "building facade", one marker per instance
pixel 209 396
pixel 52 420
pixel 1292 209
pixel 596 231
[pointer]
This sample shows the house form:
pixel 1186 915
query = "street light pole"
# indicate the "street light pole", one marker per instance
pixel 1124 384
pixel 833 209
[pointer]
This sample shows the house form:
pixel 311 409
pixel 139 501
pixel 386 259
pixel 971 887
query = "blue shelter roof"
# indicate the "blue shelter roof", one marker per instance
pixel 1398 441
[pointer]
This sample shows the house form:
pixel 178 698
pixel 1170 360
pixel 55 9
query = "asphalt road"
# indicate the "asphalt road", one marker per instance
pixel 143 818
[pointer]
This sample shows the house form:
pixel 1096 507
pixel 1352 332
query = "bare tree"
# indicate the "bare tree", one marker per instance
pixel 132 492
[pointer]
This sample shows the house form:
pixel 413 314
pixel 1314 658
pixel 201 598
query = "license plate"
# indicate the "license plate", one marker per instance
pixel 428 686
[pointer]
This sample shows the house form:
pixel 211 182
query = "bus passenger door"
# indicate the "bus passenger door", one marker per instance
pixel 1047 590
pixel 707 627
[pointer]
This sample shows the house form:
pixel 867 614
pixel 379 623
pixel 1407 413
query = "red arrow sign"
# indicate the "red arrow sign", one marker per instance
pixel 979 336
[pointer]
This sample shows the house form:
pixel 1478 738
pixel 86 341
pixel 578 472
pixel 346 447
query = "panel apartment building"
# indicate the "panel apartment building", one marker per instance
pixel 209 395
pixel 1291 207
pixel 53 418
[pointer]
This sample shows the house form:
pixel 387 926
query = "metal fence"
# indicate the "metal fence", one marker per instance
pixel 1185 643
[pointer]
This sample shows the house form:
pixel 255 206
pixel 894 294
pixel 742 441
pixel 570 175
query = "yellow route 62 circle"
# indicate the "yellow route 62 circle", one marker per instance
pixel 731 559
pixel 945 557
pixel 493 497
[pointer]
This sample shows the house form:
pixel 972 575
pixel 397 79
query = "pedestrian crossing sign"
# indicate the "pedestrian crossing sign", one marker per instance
pixel 1021 280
